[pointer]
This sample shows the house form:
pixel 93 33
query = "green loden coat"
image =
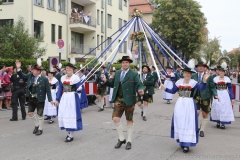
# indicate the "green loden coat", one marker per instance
pixel 210 87
pixel 149 83
pixel 130 85
pixel 43 87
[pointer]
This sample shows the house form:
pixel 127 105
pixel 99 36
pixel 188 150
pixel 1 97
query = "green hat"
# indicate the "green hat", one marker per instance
pixel 187 69
pixel 201 64
pixel 146 67
pixel 70 65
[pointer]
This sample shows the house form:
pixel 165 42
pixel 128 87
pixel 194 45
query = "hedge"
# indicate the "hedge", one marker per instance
pixel 26 62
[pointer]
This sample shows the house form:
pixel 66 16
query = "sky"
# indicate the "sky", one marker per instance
pixel 223 17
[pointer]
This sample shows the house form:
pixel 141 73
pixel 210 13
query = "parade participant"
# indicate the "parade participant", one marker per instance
pixel 18 96
pixel 203 97
pixel 7 93
pixel 57 70
pixel 168 82
pixel 50 111
pixel 111 89
pixel 213 72
pixel 101 89
pixel 221 111
pixel 184 128
pixel 148 82
pixel 179 73
pixel 37 89
pixel 126 83
pixel 70 104
pixel 155 76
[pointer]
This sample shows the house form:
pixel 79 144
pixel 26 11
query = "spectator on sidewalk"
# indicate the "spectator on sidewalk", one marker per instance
pixel 1 92
pixel 7 93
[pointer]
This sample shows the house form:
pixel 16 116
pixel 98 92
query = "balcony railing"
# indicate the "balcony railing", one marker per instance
pixel 83 49
pixel 83 19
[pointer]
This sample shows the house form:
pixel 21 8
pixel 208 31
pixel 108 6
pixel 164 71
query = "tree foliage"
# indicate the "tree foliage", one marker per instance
pixel 16 42
pixel 181 23
pixel 235 59
pixel 211 51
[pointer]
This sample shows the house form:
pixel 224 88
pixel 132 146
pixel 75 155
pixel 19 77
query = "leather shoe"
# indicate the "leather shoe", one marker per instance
pixel 35 129
pixel 144 118
pixel 118 145
pixel 201 134
pixel 69 139
pixel 185 149
pixel 13 119
pixel 100 110
pixel 39 132
pixel 24 118
pixel 218 125
pixel 141 113
pixel 128 146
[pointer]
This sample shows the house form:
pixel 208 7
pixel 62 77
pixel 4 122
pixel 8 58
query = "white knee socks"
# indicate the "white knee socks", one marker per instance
pixel 35 120
pixel 204 123
pixel 119 128
pixel 145 110
pixel 70 134
pixel 41 120
pixel 129 132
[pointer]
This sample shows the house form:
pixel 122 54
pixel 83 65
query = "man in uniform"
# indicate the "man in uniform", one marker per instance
pixel 18 93
pixel 148 82
pixel 155 76
pixel 126 83
pixel 37 89
pixel 203 97
pixel 101 88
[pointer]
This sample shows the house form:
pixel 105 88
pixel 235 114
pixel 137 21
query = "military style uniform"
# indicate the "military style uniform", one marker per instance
pixel 58 76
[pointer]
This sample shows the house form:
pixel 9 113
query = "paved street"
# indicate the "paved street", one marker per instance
pixel 96 141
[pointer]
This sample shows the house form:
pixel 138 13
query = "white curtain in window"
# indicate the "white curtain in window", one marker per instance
pixel 62 5
pixel 51 4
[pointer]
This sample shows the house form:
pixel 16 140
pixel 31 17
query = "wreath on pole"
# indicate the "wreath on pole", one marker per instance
pixel 137 13
pixel 137 36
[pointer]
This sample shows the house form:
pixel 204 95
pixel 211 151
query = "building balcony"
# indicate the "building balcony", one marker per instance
pixel 83 49
pixel 83 23
pixel 84 2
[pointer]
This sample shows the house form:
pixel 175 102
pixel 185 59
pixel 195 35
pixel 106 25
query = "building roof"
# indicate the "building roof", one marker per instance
pixel 234 50
pixel 142 5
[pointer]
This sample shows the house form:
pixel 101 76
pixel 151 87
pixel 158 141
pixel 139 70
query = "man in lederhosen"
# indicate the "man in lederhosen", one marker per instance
pixel 37 89
pixel 126 83
pixel 203 97
pixel 148 82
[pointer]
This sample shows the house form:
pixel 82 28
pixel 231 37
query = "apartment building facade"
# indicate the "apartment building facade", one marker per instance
pixel 82 24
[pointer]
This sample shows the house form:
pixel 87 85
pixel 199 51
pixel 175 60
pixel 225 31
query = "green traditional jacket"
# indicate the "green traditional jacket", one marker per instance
pixel 42 86
pixel 58 76
pixel 149 83
pixel 210 90
pixel 130 85
pixel 155 76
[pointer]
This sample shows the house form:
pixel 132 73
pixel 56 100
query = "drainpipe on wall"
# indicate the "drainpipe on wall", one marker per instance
pixel 67 45
pixel 32 19
pixel 106 23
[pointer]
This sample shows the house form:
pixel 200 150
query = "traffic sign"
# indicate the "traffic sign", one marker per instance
pixel 60 50
pixel 54 61
pixel 60 43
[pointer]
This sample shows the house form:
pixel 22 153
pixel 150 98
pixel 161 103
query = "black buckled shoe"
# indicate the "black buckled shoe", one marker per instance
pixel 144 118
pixel 69 139
pixel 168 102
pixel 35 129
pixel 141 113
pixel 185 149
pixel 51 121
pixel 24 118
pixel 222 126
pixel 218 125
pixel 100 110
pixel 39 132
pixel 119 144
pixel 201 134
pixel 128 146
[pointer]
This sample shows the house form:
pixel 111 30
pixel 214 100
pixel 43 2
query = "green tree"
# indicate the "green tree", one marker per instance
pixel 16 42
pixel 235 59
pixel 181 23
pixel 211 51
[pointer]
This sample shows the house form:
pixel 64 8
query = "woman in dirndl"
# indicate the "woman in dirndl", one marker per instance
pixel 50 111
pixel 70 103
pixel 169 80
pixel 1 92
pixel 184 128
pixel 221 111
pixel 7 84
